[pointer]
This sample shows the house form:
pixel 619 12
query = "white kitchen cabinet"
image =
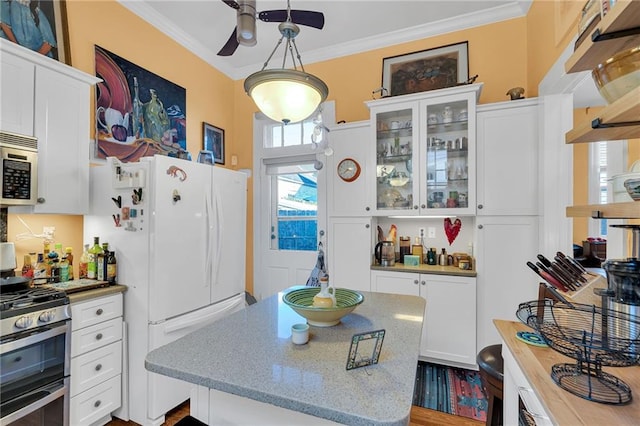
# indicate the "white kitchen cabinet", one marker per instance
pixel 424 156
pixel 449 329
pixel 504 245
pixel 349 140
pixel 517 388
pixel 53 104
pixel 507 174
pixel 96 359
pixel 17 76
pixel 349 252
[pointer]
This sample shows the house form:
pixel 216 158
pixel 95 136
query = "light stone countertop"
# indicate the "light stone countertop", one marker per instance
pixel 250 354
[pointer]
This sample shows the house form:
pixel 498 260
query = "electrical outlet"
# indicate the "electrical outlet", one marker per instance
pixel 48 230
pixel 421 232
pixel 432 232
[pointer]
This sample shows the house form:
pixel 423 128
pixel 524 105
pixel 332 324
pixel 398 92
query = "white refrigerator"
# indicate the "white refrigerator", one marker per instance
pixel 178 229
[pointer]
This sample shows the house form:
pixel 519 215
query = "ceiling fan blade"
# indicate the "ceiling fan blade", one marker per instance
pixel 231 45
pixel 300 17
pixel 231 3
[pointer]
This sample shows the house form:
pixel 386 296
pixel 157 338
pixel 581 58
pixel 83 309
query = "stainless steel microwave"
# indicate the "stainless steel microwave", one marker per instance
pixel 19 169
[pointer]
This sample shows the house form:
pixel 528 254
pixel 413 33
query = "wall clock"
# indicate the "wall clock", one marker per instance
pixel 348 169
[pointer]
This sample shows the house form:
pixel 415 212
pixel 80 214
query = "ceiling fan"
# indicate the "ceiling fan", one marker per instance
pixel 245 31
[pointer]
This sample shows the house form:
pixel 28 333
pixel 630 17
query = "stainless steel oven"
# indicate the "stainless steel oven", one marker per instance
pixel 35 358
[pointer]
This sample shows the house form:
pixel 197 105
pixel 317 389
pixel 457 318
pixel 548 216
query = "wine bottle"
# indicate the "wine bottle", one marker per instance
pixel 92 266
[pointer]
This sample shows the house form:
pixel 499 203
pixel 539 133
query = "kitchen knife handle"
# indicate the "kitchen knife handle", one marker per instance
pixel 557 284
pixel 544 261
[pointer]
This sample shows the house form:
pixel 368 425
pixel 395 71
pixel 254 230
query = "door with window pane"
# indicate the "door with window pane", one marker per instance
pixel 289 252
pixel 290 200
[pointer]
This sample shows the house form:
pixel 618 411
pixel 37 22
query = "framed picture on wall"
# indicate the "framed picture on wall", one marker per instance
pixel 213 140
pixel 39 25
pixel 425 70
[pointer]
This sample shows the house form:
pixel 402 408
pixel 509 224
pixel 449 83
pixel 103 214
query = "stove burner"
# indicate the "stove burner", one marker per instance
pixel 28 297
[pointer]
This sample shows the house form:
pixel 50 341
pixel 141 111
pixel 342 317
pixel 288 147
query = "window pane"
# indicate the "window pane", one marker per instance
pixel 297 209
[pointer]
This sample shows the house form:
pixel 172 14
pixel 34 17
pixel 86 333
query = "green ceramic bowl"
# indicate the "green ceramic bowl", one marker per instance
pixel 301 301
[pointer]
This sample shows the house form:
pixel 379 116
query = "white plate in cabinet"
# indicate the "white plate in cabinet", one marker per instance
pixel 95 367
pixel 96 336
pixel 95 311
pixel 96 403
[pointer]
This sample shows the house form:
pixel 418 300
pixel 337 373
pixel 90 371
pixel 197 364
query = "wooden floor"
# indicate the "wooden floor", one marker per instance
pixel 419 417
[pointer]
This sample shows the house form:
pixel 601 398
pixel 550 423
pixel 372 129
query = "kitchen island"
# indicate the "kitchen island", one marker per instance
pixel 247 370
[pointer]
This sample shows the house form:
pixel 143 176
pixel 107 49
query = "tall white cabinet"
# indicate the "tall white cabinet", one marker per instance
pixel 47 99
pixel 507 217
pixel 349 233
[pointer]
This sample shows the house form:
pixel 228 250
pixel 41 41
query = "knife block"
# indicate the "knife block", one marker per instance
pixel 584 294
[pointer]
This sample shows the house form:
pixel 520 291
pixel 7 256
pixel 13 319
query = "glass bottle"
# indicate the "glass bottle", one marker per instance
pixel 64 269
pixel 101 262
pixel 57 248
pixel 69 253
pixel 83 266
pixel 92 266
pixel 27 267
pixel 111 267
pixel 40 271
pixel 54 277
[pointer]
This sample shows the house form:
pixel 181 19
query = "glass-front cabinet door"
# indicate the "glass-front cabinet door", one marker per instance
pixel 424 158
pixel 447 160
pixel 396 181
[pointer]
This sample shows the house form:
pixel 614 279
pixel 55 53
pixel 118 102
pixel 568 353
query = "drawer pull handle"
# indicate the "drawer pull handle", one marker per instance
pixel 99 311
pixel 97 403
pixel 98 336
pixel 415 282
pixel 98 367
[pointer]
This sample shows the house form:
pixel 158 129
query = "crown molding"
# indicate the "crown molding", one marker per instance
pixel 511 10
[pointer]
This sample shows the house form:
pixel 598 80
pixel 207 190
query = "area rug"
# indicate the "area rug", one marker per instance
pixel 450 390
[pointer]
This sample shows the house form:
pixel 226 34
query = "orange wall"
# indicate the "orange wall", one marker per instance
pixel 517 52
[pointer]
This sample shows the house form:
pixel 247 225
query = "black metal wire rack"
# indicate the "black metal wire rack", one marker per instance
pixel 594 337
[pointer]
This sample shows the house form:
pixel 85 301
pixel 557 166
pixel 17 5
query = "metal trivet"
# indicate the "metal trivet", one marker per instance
pixel 594 338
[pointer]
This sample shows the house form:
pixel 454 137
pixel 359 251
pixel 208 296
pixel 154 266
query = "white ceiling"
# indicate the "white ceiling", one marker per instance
pixel 351 26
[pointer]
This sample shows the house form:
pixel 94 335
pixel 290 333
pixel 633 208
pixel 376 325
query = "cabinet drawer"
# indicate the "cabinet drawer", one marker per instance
pixel 95 367
pixel 96 403
pixel 95 336
pixel 96 310
pixel 525 391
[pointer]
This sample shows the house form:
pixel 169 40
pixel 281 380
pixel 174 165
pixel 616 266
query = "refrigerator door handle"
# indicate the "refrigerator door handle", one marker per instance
pixel 204 319
pixel 209 260
pixel 220 227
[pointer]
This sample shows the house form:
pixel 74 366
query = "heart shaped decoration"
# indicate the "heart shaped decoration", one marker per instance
pixel 452 229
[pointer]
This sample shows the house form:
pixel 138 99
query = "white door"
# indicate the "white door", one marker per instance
pixel 289 199
pixel 292 226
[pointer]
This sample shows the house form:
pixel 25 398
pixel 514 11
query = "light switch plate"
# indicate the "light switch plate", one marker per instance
pixel 432 232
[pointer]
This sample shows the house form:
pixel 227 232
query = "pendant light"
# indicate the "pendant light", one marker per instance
pixel 286 95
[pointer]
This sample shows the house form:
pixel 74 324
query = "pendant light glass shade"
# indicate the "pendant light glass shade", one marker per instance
pixel 287 96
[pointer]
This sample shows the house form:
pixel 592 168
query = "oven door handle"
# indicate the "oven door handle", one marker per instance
pixel 36 337
pixel 54 391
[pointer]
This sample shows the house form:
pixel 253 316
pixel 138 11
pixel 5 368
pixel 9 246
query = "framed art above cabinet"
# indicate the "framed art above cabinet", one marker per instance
pixel 424 157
